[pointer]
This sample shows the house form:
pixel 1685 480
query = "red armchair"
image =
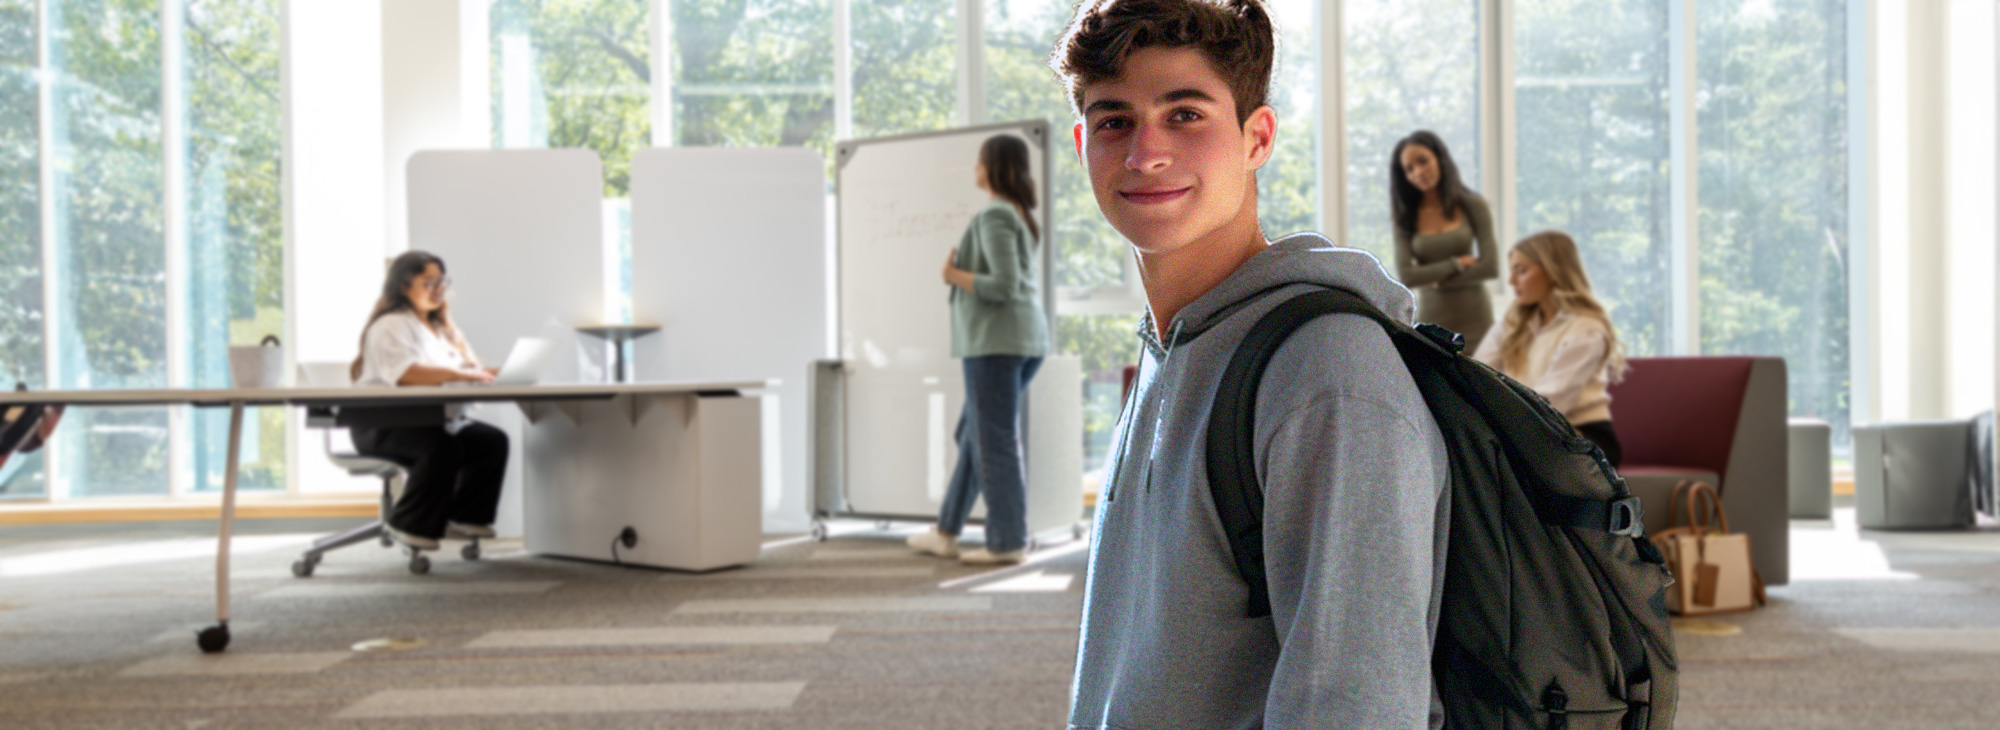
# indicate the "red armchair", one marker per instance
pixel 1720 419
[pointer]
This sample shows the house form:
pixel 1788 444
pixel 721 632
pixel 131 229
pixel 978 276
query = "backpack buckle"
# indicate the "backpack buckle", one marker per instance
pixel 1625 514
pixel 1447 339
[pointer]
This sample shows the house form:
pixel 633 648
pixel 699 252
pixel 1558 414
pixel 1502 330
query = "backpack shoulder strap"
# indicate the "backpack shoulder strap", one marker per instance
pixel 1231 453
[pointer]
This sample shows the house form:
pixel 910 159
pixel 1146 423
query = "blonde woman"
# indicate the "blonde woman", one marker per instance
pixel 1556 337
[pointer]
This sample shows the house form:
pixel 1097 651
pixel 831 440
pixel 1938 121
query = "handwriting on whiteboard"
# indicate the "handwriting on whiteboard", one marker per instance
pixel 894 222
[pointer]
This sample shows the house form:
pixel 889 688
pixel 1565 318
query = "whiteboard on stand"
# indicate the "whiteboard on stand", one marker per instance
pixel 903 203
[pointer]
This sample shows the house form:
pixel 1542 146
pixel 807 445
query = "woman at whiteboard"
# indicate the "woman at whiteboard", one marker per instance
pixel 456 469
pixel 999 329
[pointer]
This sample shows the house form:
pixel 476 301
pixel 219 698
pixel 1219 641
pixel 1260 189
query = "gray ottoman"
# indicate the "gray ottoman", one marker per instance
pixel 1810 451
pixel 1912 475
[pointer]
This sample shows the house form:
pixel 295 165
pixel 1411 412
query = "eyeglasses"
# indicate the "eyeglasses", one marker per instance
pixel 443 283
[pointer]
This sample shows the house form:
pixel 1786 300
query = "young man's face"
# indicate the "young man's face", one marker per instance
pixel 1167 160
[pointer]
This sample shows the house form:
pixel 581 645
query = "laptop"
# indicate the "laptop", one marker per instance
pixel 525 363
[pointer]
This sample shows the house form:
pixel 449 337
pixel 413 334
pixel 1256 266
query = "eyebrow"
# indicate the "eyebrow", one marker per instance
pixel 1167 98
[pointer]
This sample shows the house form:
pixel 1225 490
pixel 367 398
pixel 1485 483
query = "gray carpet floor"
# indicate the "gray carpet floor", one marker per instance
pixel 1882 630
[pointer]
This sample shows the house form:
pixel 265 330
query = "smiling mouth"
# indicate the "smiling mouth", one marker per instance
pixel 1154 197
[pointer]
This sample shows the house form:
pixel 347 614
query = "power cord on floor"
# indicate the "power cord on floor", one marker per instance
pixel 628 537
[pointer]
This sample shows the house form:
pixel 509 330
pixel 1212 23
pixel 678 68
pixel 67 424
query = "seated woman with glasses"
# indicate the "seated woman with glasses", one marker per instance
pixel 455 469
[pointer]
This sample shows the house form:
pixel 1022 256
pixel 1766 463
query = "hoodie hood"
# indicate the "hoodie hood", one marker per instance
pixel 1300 258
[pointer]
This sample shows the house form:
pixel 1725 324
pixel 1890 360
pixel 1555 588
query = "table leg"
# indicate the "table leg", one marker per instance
pixel 216 638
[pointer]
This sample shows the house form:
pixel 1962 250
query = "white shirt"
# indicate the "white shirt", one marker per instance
pixel 399 340
pixel 1567 363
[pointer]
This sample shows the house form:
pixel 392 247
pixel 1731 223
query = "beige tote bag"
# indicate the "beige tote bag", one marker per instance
pixel 1712 569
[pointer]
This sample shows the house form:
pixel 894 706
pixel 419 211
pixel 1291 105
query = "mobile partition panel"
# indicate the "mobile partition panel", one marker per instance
pixel 887 408
pixel 521 235
pixel 729 258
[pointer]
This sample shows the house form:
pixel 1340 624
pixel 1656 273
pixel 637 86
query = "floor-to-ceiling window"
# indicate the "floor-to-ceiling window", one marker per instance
pixel 577 73
pixel 20 228
pixel 904 55
pixel 233 229
pixel 1409 65
pixel 1773 167
pixel 1592 142
pixel 143 226
pixel 105 151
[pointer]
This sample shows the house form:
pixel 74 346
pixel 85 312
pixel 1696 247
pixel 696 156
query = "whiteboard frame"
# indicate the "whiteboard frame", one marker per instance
pixel 1038 132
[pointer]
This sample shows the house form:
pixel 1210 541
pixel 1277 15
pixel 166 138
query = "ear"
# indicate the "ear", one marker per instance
pixel 1076 133
pixel 1260 133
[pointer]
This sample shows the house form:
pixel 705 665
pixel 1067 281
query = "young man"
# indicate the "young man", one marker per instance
pixel 1171 94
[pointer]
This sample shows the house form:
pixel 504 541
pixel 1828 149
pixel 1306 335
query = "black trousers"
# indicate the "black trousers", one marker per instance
pixel 1606 438
pixel 452 477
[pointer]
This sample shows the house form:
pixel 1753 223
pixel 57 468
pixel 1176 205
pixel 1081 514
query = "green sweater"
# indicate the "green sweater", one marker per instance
pixel 1002 315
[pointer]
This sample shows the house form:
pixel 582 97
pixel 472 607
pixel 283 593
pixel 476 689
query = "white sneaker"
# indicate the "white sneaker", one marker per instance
pixel 983 556
pixel 459 530
pixel 415 541
pixel 932 542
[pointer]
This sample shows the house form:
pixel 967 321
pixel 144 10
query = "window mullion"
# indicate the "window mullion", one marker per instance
pixel 1332 139
pixel 1685 295
pixel 1499 163
pixel 843 69
pixel 57 488
pixel 971 62
pixel 174 146
pixel 659 16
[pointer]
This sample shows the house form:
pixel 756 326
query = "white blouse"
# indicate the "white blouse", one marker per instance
pixel 399 340
pixel 1568 363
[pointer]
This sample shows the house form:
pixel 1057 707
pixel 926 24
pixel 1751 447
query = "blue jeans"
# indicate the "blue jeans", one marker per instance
pixel 989 451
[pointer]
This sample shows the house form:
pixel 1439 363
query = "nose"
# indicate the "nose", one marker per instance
pixel 1150 150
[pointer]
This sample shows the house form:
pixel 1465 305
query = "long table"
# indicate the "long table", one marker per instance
pixel 535 400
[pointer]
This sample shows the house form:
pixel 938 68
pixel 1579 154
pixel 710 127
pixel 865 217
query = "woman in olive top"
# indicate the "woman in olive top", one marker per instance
pixel 999 328
pixel 1437 221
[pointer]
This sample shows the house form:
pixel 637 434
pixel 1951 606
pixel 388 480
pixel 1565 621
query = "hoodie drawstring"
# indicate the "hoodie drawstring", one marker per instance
pixel 1160 418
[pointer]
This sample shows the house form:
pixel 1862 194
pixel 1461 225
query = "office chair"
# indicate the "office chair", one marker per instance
pixel 327 420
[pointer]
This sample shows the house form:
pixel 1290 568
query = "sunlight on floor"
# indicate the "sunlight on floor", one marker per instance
pixel 1837 551
pixel 139 553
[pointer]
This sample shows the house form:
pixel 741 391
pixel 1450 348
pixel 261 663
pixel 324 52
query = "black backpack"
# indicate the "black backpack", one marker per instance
pixel 1554 608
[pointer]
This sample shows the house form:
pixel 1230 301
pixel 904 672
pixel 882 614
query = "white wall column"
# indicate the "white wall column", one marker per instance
pixel 333 182
pixel 1971 184
pixel 433 94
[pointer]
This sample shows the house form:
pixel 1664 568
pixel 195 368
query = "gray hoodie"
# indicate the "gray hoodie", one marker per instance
pixel 1356 499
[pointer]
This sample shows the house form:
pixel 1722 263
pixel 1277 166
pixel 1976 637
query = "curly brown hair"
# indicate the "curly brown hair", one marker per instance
pixel 1235 35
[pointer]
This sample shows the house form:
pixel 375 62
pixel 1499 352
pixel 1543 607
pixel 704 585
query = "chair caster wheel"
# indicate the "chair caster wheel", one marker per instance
pixel 213 639
pixel 420 565
pixel 1078 531
pixel 386 542
pixel 469 552
pixel 303 567
pixel 818 531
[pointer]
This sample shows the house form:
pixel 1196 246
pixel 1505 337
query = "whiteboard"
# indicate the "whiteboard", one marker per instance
pixel 903 204
pixel 729 257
